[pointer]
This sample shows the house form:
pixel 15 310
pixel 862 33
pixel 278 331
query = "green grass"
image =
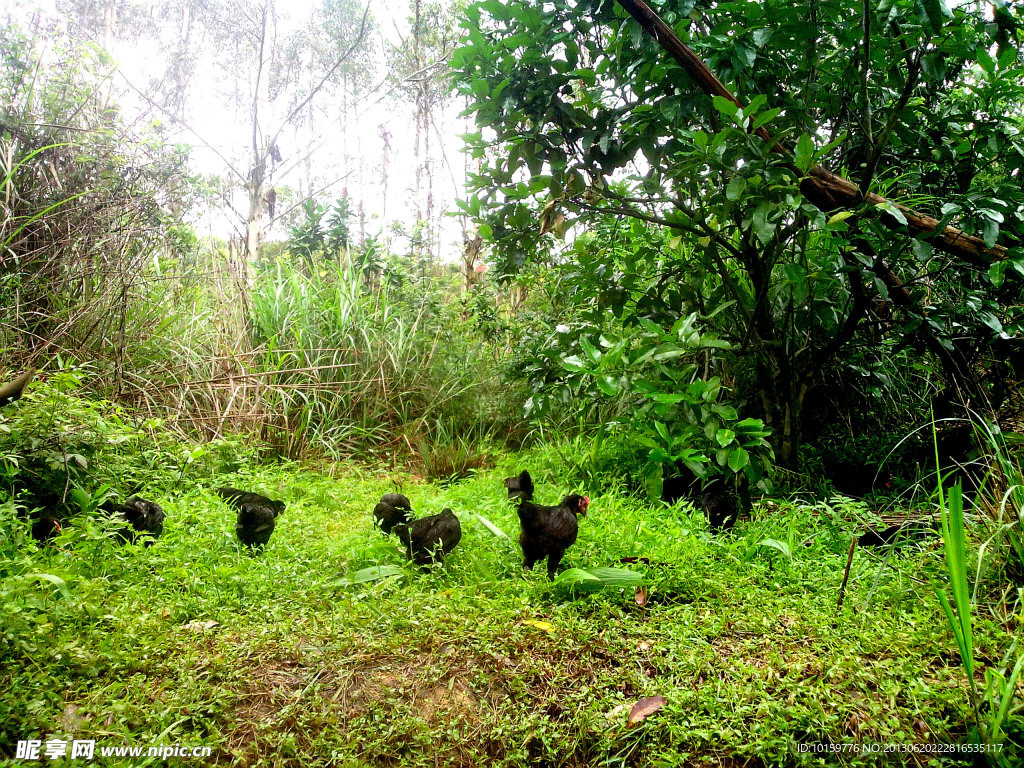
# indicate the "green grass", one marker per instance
pixel 276 660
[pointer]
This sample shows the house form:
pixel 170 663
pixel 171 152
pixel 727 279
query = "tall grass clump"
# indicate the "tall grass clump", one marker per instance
pixel 324 361
pixel 995 703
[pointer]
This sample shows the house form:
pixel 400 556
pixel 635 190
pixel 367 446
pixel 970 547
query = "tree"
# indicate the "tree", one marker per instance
pixel 581 114
pixel 276 68
pixel 419 69
pixel 275 97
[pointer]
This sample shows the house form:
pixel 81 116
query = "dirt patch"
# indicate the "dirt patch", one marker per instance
pixel 435 688
pixel 266 699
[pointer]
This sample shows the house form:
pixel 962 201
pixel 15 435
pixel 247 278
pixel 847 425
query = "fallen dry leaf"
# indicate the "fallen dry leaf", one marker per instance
pixel 641 596
pixel 539 624
pixel 645 708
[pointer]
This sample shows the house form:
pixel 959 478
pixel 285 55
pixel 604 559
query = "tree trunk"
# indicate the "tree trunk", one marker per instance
pixel 470 253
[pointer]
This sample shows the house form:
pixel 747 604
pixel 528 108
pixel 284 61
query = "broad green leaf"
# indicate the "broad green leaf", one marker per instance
pixel 608 385
pixel 990 232
pixel 763 228
pixel 580 581
pixel 668 398
pixel 58 582
pixel 766 117
pixel 795 273
pixel 373 573
pixel 725 106
pixel 727 412
pixel 932 14
pixel 804 155
pixel 736 186
pixel 991 321
pixel 738 459
pixel 669 352
pixel 997 273
pixel 890 208
pixel 590 350
pixel 837 218
pixel 777 545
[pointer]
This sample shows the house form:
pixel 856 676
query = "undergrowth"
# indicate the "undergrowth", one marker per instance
pixel 296 657
pixel 278 660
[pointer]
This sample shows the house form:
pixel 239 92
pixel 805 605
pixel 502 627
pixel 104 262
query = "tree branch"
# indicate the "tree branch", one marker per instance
pixel 824 189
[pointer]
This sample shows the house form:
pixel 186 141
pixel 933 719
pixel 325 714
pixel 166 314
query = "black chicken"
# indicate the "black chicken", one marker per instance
pixel 520 487
pixel 715 497
pixel 45 526
pixel 547 531
pixel 392 509
pixel 720 505
pixel 855 478
pixel 144 518
pixel 429 539
pixel 257 515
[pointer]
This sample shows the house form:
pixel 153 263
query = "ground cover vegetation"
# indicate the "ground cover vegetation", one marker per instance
pixel 796 422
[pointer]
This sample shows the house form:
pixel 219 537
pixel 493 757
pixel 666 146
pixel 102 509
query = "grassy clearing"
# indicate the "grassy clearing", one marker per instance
pixel 276 661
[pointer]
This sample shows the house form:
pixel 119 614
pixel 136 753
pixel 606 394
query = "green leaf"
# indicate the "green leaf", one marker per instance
pixel 890 208
pixel 608 385
pixel 985 60
pixel 736 186
pixel 616 577
pixel 373 573
pixel 725 106
pixel 767 116
pixel 727 412
pixel 763 229
pixel 725 436
pixel 991 321
pixel 590 350
pixel 932 14
pixel 481 89
pixel 58 582
pixel 990 231
pixel 795 273
pixel 841 216
pixel 669 352
pixel 777 545
pixel 580 581
pixel 575 578
pixel 997 273
pixel 491 527
pixel 668 398
pixel 738 459
pixel 922 250
pixel 804 156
